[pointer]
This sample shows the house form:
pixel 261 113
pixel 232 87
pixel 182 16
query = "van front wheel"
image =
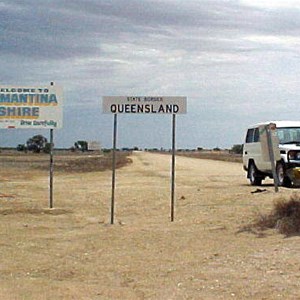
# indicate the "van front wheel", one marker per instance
pixel 253 176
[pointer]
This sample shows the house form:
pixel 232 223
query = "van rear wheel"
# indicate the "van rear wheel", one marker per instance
pixel 253 175
pixel 283 180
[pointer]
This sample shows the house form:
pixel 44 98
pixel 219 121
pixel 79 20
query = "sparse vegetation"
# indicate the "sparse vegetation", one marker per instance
pixel 70 251
pixel 222 155
pixel 81 145
pixel 105 150
pixel 237 149
pixel 92 163
pixel 47 148
pixel 21 147
pixel 68 162
pixel 285 217
pixel 36 144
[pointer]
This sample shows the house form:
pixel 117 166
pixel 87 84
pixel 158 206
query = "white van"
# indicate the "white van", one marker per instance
pixel 287 153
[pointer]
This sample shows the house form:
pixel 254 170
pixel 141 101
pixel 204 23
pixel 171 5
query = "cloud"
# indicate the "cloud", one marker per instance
pixel 43 33
pixel 228 57
pixel 75 29
pixel 273 4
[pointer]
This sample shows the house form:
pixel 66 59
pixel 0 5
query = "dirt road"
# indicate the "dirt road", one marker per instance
pixel 72 251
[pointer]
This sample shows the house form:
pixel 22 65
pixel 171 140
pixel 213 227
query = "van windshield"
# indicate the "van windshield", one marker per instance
pixel 288 135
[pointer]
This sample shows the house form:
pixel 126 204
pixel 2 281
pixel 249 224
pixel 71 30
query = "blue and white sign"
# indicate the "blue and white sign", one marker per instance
pixel 31 107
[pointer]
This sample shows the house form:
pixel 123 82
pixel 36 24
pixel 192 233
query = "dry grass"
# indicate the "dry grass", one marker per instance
pixel 66 162
pixel 93 163
pixel 284 217
pixel 214 155
pixel 73 252
pixel 33 211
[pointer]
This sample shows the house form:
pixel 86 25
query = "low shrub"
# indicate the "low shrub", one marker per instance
pixel 285 217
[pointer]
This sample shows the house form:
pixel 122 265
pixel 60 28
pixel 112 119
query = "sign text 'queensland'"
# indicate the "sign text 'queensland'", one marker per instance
pixel 144 105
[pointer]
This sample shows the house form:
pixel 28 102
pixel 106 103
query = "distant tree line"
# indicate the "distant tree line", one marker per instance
pixel 38 143
pixel 237 149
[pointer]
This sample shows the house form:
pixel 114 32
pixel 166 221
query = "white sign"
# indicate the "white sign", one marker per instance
pixel 94 145
pixel 144 105
pixel 31 107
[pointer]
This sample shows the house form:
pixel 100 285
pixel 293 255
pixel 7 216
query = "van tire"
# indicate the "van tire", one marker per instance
pixel 253 175
pixel 283 180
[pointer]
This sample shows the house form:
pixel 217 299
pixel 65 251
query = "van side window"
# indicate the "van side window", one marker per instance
pixel 249 137
pixel 256 135
pixel 252 135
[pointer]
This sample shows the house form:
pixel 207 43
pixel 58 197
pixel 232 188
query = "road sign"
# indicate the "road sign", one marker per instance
pixel 144 105
pixel 31 107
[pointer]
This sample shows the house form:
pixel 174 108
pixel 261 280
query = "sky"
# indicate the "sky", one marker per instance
pixel 236 61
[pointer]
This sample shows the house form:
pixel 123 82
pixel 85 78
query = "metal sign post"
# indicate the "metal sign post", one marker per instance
pixel 173 168
pixel 113 171
pixel 51 165
pixel 51 170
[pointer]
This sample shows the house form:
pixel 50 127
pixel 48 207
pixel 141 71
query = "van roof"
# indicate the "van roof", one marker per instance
pixel 279 124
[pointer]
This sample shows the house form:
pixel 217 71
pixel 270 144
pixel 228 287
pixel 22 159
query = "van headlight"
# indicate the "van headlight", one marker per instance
pixel 294 155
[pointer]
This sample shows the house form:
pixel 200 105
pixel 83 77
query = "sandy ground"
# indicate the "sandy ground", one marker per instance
pixel 73 252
